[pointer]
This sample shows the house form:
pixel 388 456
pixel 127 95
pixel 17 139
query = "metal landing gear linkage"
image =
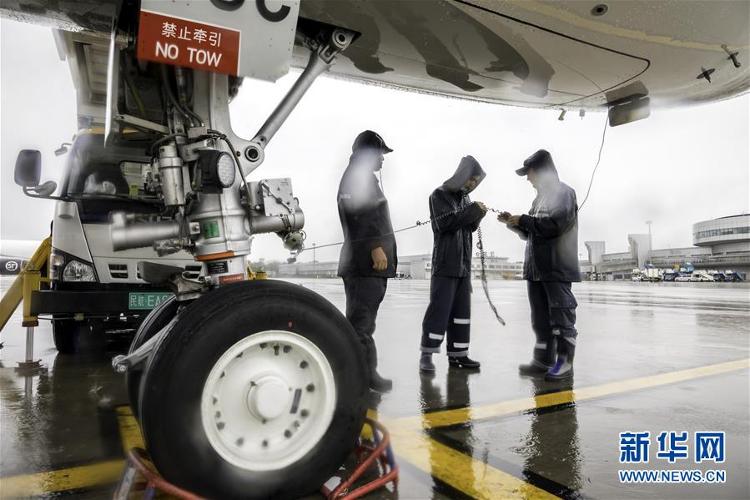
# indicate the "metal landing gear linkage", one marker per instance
pixel 262 384
pixel 322 56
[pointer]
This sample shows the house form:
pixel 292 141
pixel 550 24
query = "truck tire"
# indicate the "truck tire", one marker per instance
pixel 64 333
pixel 158 318
pixel 259 390
pixel 76 337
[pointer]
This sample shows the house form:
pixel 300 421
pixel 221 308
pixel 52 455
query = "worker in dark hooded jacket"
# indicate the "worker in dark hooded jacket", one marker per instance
pixel 368 256
pixel 454 217
pixel 550 266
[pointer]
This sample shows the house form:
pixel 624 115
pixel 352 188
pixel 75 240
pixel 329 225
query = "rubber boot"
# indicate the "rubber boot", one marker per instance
pixel 543 360
pixel 563 368
pixel 425 363
pixel 533 369
pixel 377 382
pixel 380 384
pixel 463 362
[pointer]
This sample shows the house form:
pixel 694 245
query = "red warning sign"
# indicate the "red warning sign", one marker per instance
pixel 182 42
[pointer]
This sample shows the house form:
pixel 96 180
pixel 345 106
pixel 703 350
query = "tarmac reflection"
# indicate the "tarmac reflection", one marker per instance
pixel 552 456
pixel 457 395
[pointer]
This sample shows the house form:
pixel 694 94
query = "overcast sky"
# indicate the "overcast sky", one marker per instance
pixel 676 168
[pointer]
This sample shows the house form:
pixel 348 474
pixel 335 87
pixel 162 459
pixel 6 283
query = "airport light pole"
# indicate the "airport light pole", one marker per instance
pixel 650 240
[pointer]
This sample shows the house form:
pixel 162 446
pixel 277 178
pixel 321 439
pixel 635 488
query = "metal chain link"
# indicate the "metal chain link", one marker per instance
pixel 480 247
pixel 483 277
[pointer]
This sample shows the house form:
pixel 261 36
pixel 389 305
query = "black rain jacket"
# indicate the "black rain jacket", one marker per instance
pixel 551 231
pixel 366 223
pixel 454 217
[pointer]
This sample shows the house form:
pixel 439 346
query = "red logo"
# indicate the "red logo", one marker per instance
pixel 182 42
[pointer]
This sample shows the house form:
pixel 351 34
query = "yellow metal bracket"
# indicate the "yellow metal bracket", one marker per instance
pixel 256 275
pixel 27 281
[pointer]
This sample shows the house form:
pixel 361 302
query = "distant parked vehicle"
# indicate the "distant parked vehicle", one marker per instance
pixel 683 278
pixel 669 275
pixel 651 274
pixel 687 268
pixel 733 276
pixel 701 276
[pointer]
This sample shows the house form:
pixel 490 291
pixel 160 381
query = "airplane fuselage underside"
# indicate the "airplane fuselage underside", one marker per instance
pixel 530 54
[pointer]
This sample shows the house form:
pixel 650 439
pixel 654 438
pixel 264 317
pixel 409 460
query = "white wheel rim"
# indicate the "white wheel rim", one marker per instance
pixel 268 400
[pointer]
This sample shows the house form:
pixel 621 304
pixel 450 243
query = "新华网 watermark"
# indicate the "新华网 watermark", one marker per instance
pixel 673 447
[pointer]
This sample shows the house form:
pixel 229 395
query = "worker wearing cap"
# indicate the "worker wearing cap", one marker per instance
pixel 454 218
pixel 550 266
pixel 368 256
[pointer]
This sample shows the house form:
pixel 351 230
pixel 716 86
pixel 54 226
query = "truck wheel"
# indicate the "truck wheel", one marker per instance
pixel 76 337
pixel 259 390
pixel 64 333
pixel 158 318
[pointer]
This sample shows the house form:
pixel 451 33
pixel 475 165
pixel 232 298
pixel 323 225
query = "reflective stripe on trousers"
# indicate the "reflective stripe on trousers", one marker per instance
pixel 448 314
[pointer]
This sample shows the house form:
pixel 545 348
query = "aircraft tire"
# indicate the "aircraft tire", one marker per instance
pixel 259 390
pixel 158 318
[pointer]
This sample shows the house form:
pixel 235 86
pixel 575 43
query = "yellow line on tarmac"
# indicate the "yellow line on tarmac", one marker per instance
pixel 85 476
pixel 463 415
pixel 130 431
pixel 481 480
pixel 455 468
pixel 44 483
pixel 465 473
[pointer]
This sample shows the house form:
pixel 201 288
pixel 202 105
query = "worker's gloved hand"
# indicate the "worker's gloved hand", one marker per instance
pixel 379 260
pixel 513 220
pixel 503 217
pixel 482 206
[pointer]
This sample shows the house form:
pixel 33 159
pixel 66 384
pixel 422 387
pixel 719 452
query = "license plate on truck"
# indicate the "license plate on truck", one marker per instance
pixel 145 301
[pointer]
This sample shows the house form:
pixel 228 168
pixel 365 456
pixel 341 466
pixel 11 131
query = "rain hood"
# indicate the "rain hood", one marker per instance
pixel 467 168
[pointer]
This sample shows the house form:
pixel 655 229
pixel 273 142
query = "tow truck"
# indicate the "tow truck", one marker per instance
pixel 94 292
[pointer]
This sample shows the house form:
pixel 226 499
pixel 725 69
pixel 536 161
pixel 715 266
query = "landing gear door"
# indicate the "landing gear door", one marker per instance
pixel 234 37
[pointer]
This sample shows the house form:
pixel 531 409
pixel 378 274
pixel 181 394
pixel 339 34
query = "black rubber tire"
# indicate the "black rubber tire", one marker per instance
pixel 174 380
pixel 64 333
pixel 157 319
pixel 76 337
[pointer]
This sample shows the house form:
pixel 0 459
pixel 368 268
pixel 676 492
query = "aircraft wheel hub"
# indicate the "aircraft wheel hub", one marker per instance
pixel 268 400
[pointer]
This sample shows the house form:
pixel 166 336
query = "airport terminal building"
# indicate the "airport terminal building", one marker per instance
pixel 721 244
pixel 411 266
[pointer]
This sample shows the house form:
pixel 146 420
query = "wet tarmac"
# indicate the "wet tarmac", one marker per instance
pixel 651 357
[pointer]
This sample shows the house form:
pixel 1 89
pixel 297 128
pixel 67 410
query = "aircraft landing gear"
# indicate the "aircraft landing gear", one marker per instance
pixel 258 389
pixel 253 389
pixel 158 318
pixel 374 455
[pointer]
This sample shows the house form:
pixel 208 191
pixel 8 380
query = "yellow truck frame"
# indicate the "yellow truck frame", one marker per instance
pixel 28 280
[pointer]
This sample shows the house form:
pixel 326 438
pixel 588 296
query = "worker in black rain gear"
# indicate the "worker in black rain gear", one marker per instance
pixel 368 256
pixel 550 266
pixel 454 218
